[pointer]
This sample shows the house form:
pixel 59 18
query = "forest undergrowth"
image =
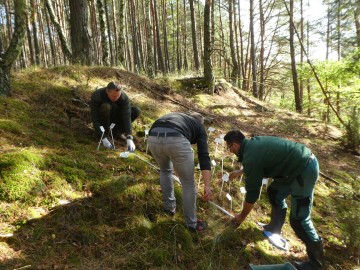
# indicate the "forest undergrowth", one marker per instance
pixel 66 205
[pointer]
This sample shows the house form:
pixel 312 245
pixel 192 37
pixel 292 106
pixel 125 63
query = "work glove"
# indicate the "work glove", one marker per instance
pixel 107 144
pixel 130 143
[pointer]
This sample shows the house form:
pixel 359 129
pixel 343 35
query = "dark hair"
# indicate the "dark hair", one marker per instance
pixel 113 86
pixel 234 136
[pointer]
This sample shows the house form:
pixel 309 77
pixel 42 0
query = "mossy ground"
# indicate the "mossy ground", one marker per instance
pixel 69 206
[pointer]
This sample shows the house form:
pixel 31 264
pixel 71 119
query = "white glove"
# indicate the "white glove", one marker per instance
pixel 107 144
pixel 130 143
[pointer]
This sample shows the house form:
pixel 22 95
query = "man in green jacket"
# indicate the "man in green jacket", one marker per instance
pixel 295 171
pixel 112 105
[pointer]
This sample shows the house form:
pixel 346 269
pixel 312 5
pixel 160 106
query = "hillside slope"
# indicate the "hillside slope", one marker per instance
pixel 65 205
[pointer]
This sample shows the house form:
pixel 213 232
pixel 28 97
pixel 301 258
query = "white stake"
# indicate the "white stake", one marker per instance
pixel 112 137
pixel 222 141
pixel 213 163
pixel 210 129
pixel 127 154
pixel 228 196
pixel 224 178
pixel 221 209
pixel 217 141
pixel 264 182
pixel 243 192
pixel 103 131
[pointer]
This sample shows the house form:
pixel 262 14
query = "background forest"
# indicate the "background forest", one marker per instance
pixel 240 63
pixel 301 55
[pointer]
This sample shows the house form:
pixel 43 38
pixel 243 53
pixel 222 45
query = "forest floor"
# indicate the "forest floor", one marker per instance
pixel 66 205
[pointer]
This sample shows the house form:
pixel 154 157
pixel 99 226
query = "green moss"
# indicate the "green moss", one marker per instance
pixel 20 175
pixel 7 125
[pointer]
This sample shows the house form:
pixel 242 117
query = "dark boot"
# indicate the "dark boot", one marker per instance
pixel 315 251
pixel 277 220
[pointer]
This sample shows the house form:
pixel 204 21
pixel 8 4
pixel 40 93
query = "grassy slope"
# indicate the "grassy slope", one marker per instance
pixel 70 206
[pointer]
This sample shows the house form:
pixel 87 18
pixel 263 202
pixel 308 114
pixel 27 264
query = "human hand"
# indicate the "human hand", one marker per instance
pixel 207 194
pixel 235 222
pixel 235 174
pixel 130 145
pixel 107 144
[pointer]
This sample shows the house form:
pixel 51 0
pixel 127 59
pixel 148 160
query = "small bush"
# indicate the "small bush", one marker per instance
pixel 351 138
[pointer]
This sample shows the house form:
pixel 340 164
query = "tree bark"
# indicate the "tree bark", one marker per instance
pixel 193 34
pixel 261 58
pixel 80 40
pixel 235 66
pixel 357 22
pixel 252 50
pixel 208 73
pixel 104 41
pixel 59 31
pixel 14 49
pixel 121 49
pixel 298 105
pixel 160 61
pixel 149 48
pixel 33 19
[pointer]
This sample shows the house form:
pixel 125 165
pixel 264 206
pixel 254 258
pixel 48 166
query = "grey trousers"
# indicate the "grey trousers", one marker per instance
pixel 176 153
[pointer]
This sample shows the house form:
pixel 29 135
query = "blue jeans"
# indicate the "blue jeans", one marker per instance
pixel 176 153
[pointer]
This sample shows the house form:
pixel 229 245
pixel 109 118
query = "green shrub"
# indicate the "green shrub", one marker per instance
pixel 351 138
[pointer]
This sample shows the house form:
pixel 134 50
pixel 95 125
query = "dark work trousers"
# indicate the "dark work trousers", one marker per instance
pixel 111 113
pixel 301 190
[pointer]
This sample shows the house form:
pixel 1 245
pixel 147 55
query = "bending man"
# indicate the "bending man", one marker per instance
pixel 111 105
pixel 295 171
pixel 170 139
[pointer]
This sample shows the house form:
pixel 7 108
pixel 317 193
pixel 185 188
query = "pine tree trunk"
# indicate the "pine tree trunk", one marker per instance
pixel 235 66
pixel 185 38
pixel 29 40
pixel 51 41
pixel 115 32
pixel 298 105
pixel 160 61
pixel 104 41
pixel 150 55
pixel 252 48
pixel 357 23
pixel 121 49
pixel 166 48
pixel 35 31
pixel 261 58
pixel 59 31
pixel 178 50
pixel 193 34
pixel 15 47
pixel 208 73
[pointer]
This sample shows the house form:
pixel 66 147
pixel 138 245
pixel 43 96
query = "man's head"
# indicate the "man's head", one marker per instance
pixel 234 139
pixel 113 91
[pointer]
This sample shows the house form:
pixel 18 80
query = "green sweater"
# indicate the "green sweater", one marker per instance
pixel 270 157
